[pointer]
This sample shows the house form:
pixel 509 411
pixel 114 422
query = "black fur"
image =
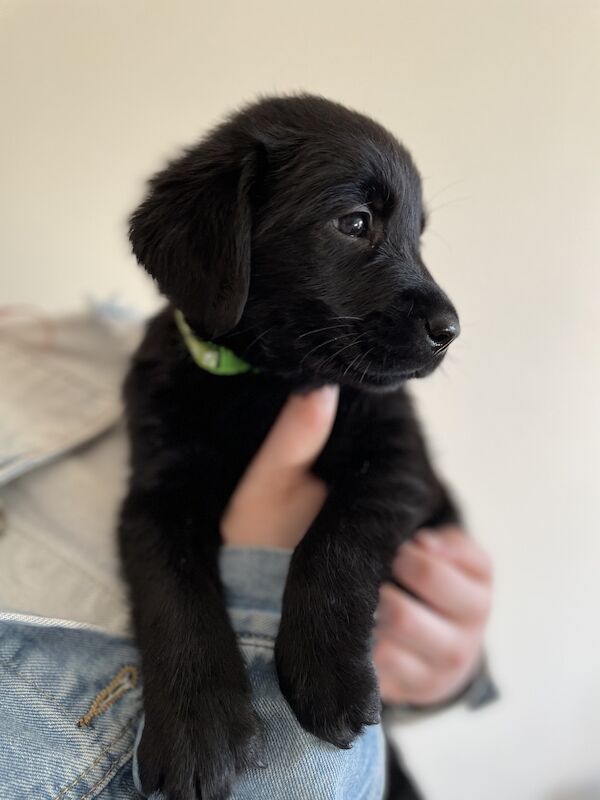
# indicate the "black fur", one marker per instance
pixel 242 234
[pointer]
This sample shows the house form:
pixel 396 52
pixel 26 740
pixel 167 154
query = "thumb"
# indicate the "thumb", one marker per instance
pixel 299 433
pixel 277 498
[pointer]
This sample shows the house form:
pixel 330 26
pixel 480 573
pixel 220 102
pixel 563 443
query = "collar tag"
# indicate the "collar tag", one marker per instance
pixel 211 357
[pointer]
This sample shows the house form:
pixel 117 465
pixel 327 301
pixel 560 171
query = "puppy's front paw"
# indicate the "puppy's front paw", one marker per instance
pixel 332 691
pixel 196 754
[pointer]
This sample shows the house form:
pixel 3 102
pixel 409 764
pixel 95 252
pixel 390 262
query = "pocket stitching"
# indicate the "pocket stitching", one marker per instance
pixel 103 781
pixel 105 752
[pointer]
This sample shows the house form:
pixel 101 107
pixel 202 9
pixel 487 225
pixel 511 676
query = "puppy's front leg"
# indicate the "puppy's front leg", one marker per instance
pixel 199 728
pixel 323 650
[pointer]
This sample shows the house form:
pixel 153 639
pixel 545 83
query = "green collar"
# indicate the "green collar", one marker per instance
pixel 211 357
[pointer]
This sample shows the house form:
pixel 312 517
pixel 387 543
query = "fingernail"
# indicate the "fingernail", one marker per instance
pixel 324 401
pixel 429 540
pixel 328 394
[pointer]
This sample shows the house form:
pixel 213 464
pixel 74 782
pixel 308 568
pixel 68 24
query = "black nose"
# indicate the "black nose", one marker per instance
pixel 442 328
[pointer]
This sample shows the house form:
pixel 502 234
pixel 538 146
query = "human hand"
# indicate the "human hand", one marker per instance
pixel 278 497
pixel 427 648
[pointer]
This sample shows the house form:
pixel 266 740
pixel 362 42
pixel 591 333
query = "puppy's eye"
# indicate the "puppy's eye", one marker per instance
pixel 356 224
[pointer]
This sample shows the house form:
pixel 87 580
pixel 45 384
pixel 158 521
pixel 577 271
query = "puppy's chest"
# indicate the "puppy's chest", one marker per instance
pixel 225 420
pixel 229 421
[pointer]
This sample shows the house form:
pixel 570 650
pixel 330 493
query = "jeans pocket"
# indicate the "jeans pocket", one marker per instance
pixel 70 702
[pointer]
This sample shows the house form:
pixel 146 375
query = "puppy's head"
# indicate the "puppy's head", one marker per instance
pixel 291 234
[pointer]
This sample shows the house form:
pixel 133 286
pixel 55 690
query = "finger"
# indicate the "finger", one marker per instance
pixel 278 498
pixel 416 629
pixel 299 433
pixel 257 519
pixel 453 544
pixel 441 585
pixel 402 676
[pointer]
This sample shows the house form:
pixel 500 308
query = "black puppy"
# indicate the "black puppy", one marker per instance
pixel 290 238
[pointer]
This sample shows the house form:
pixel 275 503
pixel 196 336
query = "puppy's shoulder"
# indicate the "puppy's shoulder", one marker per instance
pixel 160 339
pixel 153 382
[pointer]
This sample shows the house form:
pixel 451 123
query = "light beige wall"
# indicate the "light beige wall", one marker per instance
pixel 500 104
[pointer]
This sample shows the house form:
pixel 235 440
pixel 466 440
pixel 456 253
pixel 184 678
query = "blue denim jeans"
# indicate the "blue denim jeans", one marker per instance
pixel 71 707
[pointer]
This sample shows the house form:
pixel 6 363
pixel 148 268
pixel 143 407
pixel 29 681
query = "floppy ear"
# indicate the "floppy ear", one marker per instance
pixel 193 232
